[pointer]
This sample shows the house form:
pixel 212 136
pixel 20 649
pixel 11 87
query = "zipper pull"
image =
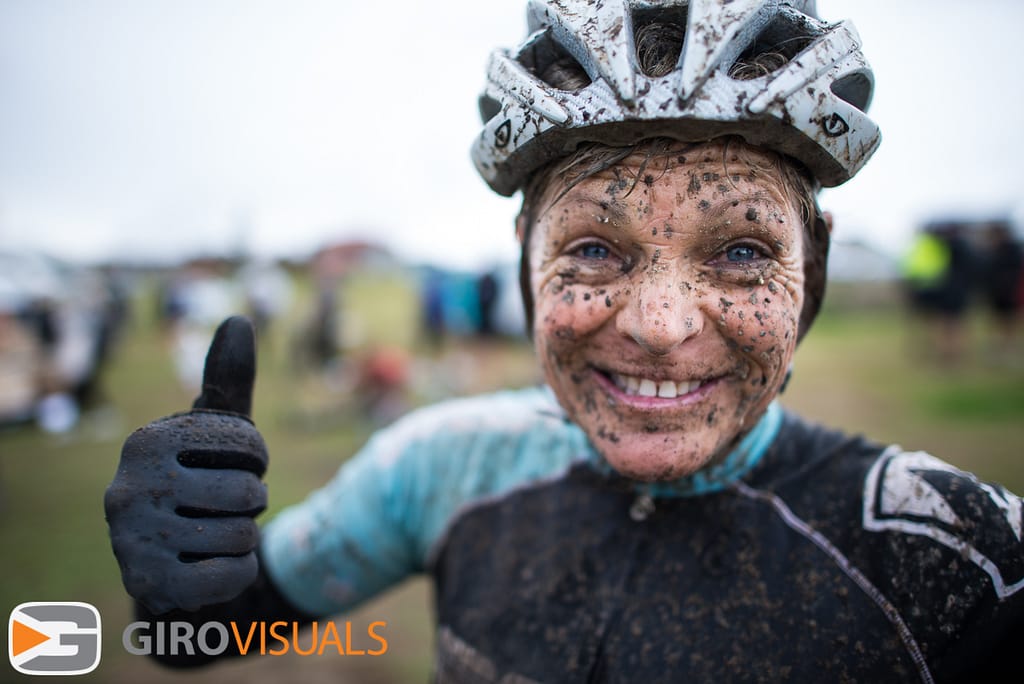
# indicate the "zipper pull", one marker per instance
pixel 642 507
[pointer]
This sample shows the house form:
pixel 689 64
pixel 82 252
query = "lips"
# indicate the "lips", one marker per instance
pixel 643 388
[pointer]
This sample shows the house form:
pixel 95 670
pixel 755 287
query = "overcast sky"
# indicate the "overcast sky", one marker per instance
pixel 161 128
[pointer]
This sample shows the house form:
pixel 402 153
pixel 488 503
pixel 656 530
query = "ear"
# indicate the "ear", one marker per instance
pixel 829 219
pixel 520 229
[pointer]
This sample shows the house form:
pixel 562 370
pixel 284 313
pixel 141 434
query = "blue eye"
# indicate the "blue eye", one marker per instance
pixel 742 253
pixel 594 250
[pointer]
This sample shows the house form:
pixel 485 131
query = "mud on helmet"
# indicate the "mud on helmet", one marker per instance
pixel 811 108
pixel 806 98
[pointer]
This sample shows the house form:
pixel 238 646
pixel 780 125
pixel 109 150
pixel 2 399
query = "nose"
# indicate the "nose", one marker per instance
pixel 662 313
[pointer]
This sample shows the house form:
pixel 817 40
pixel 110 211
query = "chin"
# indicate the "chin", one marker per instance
pixel 656 461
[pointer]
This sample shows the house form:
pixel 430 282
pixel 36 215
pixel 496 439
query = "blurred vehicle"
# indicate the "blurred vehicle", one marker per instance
pixel 57 322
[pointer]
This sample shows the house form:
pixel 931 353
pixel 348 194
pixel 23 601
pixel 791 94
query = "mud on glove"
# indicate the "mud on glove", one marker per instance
pixel 181 507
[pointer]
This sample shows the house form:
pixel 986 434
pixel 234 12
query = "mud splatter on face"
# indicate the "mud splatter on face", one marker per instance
pixel 667 307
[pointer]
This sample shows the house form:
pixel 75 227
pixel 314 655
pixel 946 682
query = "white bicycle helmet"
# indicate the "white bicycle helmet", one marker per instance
pixel 811 108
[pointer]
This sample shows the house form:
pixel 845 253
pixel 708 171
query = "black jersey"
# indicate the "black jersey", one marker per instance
pixel 833 560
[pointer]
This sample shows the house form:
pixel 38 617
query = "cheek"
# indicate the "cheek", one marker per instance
pixel 762 330
pixel 568 312
pixel 566 318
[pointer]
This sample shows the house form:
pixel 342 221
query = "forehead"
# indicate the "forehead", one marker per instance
pixel 697 170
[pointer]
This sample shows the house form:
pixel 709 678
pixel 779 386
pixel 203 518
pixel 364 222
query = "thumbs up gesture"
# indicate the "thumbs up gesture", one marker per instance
pixel 181 507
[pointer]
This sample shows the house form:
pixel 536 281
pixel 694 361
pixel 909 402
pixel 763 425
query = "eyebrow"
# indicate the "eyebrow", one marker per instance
pixel 718 209
pixel 615 212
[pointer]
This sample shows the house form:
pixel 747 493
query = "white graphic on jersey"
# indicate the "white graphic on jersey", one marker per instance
pixel 898 497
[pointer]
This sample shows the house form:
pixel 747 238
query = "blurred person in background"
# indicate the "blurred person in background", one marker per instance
pixel 61 326
pixel 21 365
pixel 923 270
pixel 320 345
pixel 955 292
pixel 380 382
pixel 170 302
pixel 199 295
pixel 432 327
pixel 652 513
pixel 267 288
pixel 941 273
pixel 487 298
pixel 1002 284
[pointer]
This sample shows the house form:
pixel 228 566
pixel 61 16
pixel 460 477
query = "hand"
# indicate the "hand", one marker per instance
pixel 182 505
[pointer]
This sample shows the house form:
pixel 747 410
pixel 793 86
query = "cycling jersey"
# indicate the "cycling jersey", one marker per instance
pixel 804 555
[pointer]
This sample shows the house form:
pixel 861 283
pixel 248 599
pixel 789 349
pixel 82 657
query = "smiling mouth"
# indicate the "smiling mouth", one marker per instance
pixel 632 385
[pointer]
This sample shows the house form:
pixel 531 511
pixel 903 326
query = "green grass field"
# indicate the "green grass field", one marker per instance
pixel 862 371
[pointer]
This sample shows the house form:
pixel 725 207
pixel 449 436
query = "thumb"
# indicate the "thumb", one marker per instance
pixel 230 368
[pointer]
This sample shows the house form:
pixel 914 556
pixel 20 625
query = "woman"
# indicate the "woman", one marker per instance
pixel 651 514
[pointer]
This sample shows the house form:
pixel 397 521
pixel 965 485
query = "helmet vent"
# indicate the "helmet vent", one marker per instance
pixel 658 35
pixel 548 61
pixel 781 41
pixel 489 107
pixel 854 88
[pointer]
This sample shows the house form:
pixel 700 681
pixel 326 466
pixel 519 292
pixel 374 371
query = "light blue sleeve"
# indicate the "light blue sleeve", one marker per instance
pixel 376 522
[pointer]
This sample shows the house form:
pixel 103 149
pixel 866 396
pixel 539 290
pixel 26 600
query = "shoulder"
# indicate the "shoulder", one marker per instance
pixel 830 457
pixel 444 458
pixel 461 450
pixel 884 504
pixel 946 548
pixel 507 420
pixel 504 410
pixel 914 494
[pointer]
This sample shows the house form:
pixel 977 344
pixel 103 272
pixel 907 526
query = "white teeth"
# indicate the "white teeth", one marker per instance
pixel 687 387
pixel 644 387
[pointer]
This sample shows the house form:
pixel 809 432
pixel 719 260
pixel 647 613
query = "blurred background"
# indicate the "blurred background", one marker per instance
pixel 165 164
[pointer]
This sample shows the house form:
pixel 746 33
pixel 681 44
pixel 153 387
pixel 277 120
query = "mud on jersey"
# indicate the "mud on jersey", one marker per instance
pixel 805 556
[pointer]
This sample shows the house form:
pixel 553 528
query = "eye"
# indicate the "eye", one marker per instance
pixel 593 250
pixel 742 253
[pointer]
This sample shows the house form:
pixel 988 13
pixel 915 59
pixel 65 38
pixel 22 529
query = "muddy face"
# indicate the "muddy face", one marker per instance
pixel 667 308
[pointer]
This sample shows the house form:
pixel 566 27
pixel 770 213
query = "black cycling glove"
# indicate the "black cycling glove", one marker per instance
pixel 181 507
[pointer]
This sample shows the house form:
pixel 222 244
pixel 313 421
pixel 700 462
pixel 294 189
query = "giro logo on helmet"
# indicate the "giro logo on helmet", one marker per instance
pixel 503 134
pixel 834 125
